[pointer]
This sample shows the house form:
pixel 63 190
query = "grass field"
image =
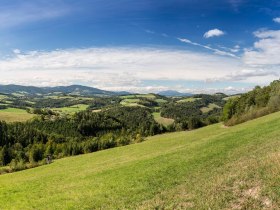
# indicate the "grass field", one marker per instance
pixel 130 102
pixel 210 168
pixel 209 108
pixel 151 96
pixel 2 97
pixel 231 97
pixel 72 109
pixel 160 100
pixel 15 115
pixel 188 100
pixel 162 120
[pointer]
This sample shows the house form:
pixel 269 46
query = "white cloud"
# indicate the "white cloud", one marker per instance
pixel 266 51
pixel 234 49
pixel 276 20
pixel 213 33
pixel 16 51
pixel 246 74
pixel 112 68
pixel 130 68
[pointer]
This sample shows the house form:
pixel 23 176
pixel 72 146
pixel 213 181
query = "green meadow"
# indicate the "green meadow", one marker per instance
pixel 130 102
pixel 72 109
pixel 209 108
pixel 188 100
pixel 214 167
pixel 15 115
pixel 162 120
pixel 151 96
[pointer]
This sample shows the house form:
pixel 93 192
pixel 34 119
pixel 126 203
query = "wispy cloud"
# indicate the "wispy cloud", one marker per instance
pixel 27 12
pixel 149 31
pixel 216 51
pixel 213 32
pixel 236 4
pixel 234 49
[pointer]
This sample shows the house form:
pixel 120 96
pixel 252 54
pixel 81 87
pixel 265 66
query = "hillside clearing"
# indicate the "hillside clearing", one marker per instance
pixel 162 120
pixel 188 100
pixel 208 168
pixel 72 109
pixel 210 107
pixel 15 115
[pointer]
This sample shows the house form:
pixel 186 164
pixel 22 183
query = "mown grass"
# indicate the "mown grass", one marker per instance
pixel 188 100
pixel 209 108
pixel 130 102
pixel 231 97
pixel 209 168
pixel 162 120
pixel 72 109
pixel 150 96
pixel 15 115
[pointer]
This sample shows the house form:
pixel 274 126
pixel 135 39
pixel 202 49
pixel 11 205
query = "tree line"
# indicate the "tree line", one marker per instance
pixel 256 103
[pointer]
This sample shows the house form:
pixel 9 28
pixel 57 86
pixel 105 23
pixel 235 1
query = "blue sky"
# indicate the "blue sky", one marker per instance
pixel 141 46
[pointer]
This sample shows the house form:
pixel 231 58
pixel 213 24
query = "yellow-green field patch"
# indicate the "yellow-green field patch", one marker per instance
pixel 160 100
pixel 150 96
pixel 188 100
pixel 162 120
pixel 72 109
pixel 231 97
pixel 146 96
pixel 209 108
pixel 15 115
pixel 130 102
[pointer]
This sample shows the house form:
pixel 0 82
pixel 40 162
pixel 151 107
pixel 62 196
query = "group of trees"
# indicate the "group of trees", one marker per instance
pixel 188 115
pixel 256 103
pixel 27 144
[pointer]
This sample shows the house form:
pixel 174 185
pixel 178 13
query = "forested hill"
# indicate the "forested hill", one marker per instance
pixel 254 104
pixel 72 89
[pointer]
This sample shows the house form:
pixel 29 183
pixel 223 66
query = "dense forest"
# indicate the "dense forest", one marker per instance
pixel 27 144
pixel 256 103
pixel 189 115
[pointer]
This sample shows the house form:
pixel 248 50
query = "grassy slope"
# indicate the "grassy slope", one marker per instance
pixel 188 100
pixel 162 120
pixel 72 109
pixel 15 115
pixel 209 108
pixel 212 167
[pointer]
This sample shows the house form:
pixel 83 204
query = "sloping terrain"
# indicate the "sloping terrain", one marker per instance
pixel 210 168
pixel 72 89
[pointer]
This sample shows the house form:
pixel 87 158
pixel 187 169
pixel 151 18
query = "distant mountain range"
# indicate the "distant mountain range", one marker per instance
pixel 72 89
pixel 173 93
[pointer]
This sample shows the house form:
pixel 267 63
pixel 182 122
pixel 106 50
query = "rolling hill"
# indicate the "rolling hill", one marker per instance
pixel 173 93
pixel 209 168
pixel 72 89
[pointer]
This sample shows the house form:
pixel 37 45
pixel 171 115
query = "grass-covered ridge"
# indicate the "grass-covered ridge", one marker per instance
pixel 213 167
